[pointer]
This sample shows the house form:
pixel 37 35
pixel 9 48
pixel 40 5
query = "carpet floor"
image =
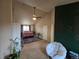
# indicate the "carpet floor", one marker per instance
pixel 30 40
pixel 35 50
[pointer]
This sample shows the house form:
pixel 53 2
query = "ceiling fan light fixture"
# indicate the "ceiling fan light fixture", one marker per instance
pixel 34 15
pixel 34 18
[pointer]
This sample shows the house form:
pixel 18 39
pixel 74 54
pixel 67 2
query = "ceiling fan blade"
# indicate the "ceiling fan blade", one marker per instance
pixel 34 13
pixel 38 17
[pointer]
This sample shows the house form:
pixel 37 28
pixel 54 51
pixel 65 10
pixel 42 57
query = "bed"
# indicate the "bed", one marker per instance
pixel 26 34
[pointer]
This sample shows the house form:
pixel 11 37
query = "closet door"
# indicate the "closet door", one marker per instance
pixel 45 30
pixel 64 26
pixel 67 26
pixel 75 17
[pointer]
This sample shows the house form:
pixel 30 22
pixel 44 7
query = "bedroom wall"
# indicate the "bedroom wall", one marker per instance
pixel 21 15
pixel 5 27
pixel 52 23
pixel 0 31
pixel 45 21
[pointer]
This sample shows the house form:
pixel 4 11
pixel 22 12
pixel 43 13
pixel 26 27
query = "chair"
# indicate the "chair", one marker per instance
pixel 56 50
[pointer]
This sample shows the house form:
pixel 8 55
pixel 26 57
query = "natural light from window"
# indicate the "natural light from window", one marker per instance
pixel 26 28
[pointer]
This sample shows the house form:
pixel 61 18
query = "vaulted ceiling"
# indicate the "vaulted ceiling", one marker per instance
pixel 46 5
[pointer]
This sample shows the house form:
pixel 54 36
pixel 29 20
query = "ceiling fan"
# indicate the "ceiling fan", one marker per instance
pixel 35 17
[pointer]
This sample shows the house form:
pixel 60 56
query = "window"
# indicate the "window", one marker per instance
pixel 26 28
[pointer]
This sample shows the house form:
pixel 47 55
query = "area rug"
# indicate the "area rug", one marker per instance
pixel 29 40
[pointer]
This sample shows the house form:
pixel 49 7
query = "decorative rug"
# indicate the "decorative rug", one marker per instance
pixel 29 40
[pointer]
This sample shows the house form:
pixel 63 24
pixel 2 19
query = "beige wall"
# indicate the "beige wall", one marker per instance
pixel 5 27
pixel 45 21
pixel 0 31
pixel 63 2
pixel 52 24
pixel 23 13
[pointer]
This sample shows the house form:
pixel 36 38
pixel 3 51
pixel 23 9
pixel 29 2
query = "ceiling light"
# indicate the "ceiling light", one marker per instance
pixel 34 18
pixel 34 15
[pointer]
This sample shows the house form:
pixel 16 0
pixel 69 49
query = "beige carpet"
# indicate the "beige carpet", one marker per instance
pixel 35 50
